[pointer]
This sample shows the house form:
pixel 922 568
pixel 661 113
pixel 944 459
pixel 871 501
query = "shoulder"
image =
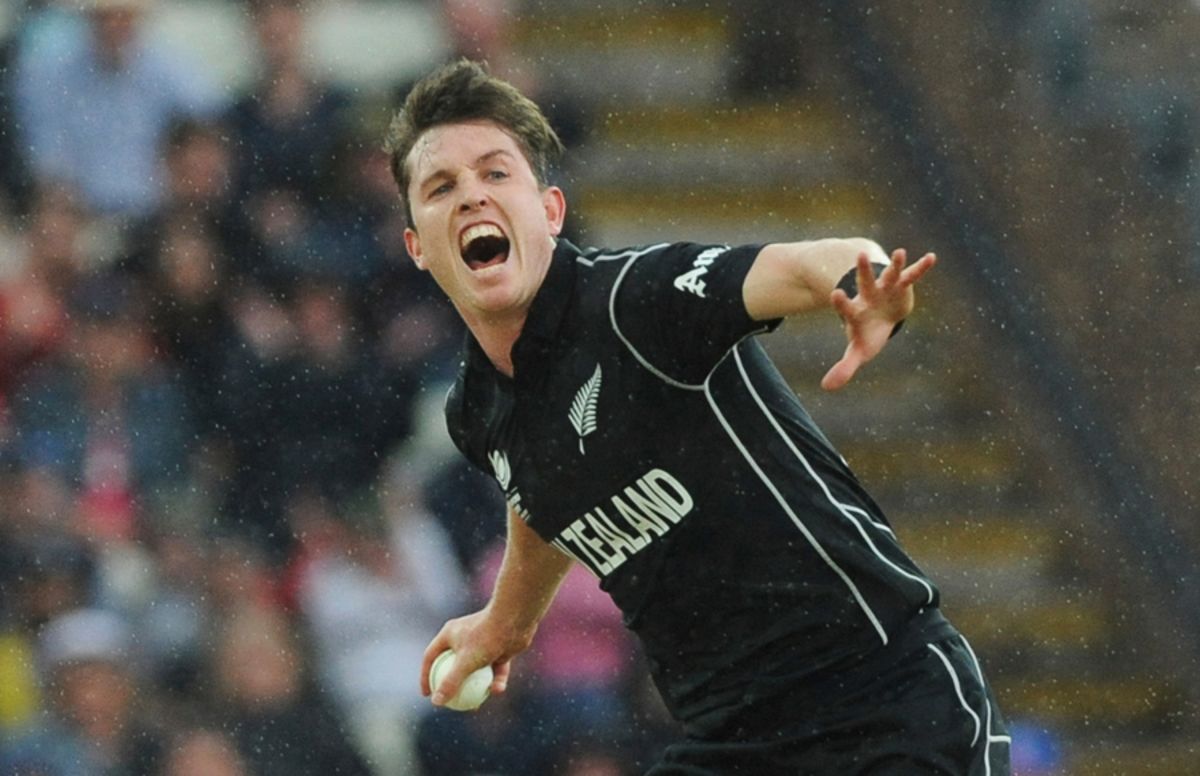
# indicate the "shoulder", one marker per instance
pixel 605 269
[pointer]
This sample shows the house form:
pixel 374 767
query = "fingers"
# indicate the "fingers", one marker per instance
pixel 897 273
pixel 915 272
pixel 894 274
pixel 452 680
pixel 891 273
pixel 865 342
pixel 500 680
pixel 842 372
pixel 865 275
pixel 440 644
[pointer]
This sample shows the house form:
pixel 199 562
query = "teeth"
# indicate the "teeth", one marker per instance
pixel 477 231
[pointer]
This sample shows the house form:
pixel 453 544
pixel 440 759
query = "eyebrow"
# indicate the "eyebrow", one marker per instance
pixel 444 173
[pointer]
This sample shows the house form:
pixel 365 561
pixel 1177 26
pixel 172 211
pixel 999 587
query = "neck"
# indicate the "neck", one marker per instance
pixel 496 337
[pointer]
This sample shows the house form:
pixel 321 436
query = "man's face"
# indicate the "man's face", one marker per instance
pixel 115 29
pixel 482 226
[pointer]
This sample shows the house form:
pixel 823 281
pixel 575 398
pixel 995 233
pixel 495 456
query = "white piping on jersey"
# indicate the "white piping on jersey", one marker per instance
pixel 612 317
pixel 632 253
pixel 864 513
pixel 987 754
pixel 812 540
pixel 651 368
pixel 958 691
pixel 844 509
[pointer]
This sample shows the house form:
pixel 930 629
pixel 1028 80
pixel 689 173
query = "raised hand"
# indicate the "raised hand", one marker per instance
pixel 871 315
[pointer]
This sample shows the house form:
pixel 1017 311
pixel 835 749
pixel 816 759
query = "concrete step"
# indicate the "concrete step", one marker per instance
pixel 646 55
pixel 658 159
pixel 1042 623
pixel 544 7
pixel 1162 755
pixel 979 544
pixel 591 25
pixel 728 127
pixel 1099 704
pixel 939 457
pixel 728 214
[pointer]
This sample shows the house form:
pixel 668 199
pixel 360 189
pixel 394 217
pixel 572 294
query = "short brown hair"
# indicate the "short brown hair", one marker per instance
pixel 464 91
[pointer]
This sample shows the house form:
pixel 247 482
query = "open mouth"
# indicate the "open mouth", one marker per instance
pixel 483 246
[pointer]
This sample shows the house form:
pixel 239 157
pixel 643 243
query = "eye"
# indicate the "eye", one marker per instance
pixel 442 189
pixel 496 175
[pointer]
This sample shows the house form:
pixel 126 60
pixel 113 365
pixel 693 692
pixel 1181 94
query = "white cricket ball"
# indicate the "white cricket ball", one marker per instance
pixel 473 691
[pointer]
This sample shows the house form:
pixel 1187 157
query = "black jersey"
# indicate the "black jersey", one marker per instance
pixel 648 436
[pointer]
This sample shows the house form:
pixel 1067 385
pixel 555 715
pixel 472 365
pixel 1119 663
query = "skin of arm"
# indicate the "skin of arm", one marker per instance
pixel 529 578
pixel 791 278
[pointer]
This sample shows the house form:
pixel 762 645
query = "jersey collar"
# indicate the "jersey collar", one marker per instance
pixel 549 306
pixel 547 314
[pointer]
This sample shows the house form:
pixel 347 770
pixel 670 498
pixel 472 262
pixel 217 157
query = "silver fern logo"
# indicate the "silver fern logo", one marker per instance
pixel 583 409
pixel 500 466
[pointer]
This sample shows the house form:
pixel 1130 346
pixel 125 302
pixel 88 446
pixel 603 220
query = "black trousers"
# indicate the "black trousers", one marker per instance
pixel 931 713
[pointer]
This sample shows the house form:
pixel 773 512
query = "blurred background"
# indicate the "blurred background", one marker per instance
pixel 230 519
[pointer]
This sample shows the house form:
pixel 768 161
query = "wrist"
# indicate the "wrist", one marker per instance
pixel 513 628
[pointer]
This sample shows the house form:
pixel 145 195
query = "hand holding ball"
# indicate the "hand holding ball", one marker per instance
pixel 474 689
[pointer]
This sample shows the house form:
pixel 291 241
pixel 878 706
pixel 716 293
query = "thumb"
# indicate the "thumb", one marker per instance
pixel 841 372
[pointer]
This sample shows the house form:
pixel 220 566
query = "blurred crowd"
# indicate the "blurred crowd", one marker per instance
pixel 229 520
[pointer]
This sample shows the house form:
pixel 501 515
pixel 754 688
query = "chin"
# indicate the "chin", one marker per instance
pixel 495 300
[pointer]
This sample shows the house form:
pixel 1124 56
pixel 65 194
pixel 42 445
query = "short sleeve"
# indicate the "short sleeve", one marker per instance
pixel 681 309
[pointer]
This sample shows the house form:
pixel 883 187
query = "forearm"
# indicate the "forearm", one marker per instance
pixel 529 578
pixel 791 278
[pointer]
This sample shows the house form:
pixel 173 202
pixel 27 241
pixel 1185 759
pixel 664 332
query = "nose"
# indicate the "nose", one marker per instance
pixel 473 198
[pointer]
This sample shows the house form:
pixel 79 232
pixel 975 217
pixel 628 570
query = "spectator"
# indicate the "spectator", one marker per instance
pixel 286 129
pixel 238 576
pixel 188 283
pixel 286 125
pixel 33 301
pixel 177 620
pixel 94 109
pixel 43 574
pixel 281 728
pixel 502 738
pixel 483 30
pixel 105 412
pixel 302 359
pixel 97 722
pixel 203 752
pixel 198 197
pixel 370 603
pixel 356 233
pixel 14 175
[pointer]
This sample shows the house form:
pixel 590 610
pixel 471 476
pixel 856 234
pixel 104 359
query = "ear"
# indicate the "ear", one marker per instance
pixel 412 241
pixel 555 204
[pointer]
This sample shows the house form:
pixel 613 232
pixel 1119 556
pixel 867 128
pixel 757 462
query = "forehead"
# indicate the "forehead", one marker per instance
pixel 449 145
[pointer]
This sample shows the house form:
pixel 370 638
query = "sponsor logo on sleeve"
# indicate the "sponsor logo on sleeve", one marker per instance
pixel 692 281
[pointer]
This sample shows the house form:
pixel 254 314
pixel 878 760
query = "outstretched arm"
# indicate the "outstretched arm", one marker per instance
pixel 529 578
pixel 790 278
